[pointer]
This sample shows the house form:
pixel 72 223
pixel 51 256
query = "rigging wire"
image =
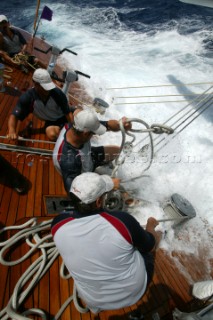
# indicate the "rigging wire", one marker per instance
pixel 45 244
pixel 161 95
pixel 190 116
pixel 189 105
pixel 199 104
pixel 161 85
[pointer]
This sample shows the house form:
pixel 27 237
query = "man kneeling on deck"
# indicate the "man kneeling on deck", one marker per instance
pixel 46 102
pixel 73 153
pixel 108 254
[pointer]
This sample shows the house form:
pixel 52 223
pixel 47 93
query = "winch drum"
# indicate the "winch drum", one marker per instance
pixel 179 207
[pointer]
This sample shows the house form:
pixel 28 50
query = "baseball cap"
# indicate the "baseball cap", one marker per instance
pixel 89 186
pixel 42 77
pixel 3 18
pixel 87 120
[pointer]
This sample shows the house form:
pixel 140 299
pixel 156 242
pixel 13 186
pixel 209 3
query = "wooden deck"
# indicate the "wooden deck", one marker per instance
pixel 169 288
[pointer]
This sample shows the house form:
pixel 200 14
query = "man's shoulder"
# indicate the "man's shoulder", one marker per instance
pixel 57 92
pixel 30 93
pixel 123 216
pixel 15 31
pixel 117 213
pixel 60 98
pixel 27 97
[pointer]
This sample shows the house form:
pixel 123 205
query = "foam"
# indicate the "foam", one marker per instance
pixel 117 57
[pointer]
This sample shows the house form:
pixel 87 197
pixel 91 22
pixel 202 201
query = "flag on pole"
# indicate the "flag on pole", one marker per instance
pixel 47 14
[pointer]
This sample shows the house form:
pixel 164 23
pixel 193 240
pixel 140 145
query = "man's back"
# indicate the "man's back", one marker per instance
pixel 98 251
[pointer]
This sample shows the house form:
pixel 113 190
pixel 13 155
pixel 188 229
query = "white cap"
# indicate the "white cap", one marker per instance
pixel 42 77
pixel 3 18
pixel 87 120
pixel 89 186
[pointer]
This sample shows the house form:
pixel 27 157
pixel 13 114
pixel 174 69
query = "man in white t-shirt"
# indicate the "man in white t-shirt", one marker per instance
pixel 108 254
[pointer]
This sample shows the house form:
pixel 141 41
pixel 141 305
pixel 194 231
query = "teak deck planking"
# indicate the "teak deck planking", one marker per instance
pixel 169 287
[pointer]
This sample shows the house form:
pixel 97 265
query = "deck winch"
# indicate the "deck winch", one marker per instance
pixel 114 200
pixel 178 208
pixel 100 105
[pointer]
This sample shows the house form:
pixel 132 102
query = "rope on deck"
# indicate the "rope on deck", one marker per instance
pixel 37 237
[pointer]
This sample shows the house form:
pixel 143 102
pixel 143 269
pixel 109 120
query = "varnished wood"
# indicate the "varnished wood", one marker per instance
pixel 169 288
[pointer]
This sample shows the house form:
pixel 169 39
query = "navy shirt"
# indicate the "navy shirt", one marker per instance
pixel 55 107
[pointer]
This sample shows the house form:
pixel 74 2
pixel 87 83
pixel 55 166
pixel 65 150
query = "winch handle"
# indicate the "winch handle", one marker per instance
pixel 82 74
pixel 56 77
pixel 169 219
pixel 172 219
pixel 50 48
pixel 68 50
pixel 43 51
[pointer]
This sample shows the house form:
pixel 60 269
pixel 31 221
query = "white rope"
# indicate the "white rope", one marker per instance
pixel 148 130
pixel 34 234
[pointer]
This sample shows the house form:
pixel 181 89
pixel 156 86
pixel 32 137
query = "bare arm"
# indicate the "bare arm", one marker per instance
pixel 12 127
pixel 69 117
pixel 116 182
pixel 152 223
pixel 6 58
pixel 113 125
pixel 24 48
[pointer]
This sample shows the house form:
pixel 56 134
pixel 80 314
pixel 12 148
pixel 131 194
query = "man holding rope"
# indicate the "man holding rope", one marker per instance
pixel 73 153
pixel 13 47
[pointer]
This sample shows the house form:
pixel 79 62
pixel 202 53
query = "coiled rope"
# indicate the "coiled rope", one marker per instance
pixel 32 231
pixel 38 237
pixel 22 58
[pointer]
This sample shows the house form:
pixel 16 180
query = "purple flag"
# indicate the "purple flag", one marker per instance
pixel 47 14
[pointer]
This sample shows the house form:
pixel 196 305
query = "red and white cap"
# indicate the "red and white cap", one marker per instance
pixel 89 186
pixel 87 120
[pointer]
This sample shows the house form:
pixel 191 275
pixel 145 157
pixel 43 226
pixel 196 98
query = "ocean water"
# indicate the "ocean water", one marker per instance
pixel 135 50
